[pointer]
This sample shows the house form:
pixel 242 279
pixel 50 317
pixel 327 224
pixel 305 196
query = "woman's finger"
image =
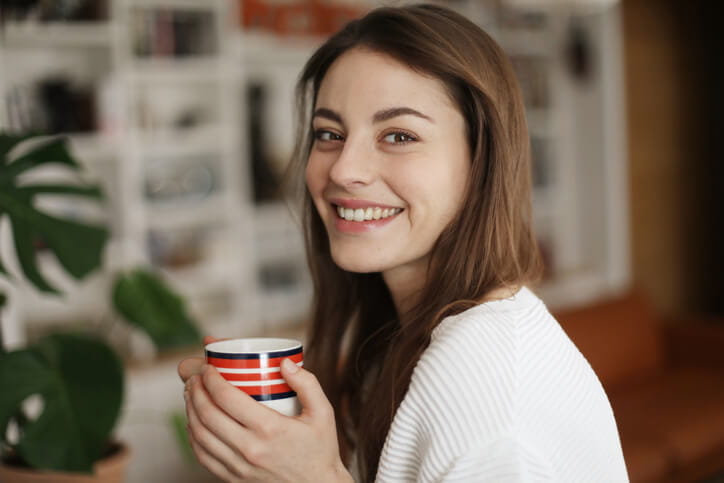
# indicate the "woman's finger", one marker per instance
pixel 209 339
pixel 237 404
pixel 212 445
pixel 192 365
pixel 189 367
pixel 311 396
pixel 210 463
pixel 217 420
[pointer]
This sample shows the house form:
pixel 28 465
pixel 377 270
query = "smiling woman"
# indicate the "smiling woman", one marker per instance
pixel 431 357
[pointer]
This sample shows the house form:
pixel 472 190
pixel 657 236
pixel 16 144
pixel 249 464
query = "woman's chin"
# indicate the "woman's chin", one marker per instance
pixel 357 264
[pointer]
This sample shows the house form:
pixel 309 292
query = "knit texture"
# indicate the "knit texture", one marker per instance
pixel 503 395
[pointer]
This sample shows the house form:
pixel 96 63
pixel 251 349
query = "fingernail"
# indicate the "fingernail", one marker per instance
pixel 290 366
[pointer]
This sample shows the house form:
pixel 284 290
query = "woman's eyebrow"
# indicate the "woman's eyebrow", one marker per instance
pixel 328 114
pixel 386 114
pixel 379 116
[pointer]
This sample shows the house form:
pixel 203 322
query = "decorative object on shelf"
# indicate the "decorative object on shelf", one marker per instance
pixel 56 10
pixel 177 248
pixel 296 18
pixel 266 181
pixel 580 6
pixel 578 51
pixel 62 394
pixel 179 180
pixel 161 32
pixel 51 105
pixel 282 276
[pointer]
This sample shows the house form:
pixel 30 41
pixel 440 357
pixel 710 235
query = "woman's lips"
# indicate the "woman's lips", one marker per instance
pixel 356 203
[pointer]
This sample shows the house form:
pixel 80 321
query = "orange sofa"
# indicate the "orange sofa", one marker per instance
pixel 665 382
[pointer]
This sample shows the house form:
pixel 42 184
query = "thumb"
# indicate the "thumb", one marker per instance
pixel 311 396
pixel 209 339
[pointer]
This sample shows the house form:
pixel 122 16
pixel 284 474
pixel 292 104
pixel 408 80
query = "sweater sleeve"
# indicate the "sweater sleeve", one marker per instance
pixel 506 460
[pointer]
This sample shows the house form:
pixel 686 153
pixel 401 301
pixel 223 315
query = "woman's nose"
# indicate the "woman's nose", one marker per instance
pixel 354 166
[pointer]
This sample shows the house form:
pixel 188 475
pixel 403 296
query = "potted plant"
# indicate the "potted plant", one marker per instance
pixel 62 395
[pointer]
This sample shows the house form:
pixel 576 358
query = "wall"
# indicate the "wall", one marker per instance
pixel 675 180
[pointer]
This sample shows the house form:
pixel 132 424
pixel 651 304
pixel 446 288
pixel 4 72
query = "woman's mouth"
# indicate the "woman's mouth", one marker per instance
pixel 366 214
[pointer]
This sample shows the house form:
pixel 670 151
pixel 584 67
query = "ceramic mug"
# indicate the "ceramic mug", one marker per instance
pixel 253 365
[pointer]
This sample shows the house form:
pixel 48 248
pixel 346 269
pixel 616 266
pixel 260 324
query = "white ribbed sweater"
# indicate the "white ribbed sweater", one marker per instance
pixel 503 395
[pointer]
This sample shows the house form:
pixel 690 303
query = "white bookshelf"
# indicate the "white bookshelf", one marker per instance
pixel 124 150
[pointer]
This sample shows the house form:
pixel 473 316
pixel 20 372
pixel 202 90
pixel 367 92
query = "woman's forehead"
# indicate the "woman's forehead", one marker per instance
pixel 369 80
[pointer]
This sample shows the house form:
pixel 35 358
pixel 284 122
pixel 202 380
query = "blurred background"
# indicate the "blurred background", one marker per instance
pixel 183 111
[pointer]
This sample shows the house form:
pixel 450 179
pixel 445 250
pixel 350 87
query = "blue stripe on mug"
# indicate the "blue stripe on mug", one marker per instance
pixel 265 355
pixel 272 397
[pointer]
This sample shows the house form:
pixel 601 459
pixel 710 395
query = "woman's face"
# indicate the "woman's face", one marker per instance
pixel 389 164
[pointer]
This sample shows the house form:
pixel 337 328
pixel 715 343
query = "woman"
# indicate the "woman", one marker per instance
pixel 429 354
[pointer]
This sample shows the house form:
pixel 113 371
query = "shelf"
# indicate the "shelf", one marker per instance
pixel 92 147
pixel 573 289
pixel 176 69
pixel 524 43
pixel 279 307
pixel 171 215
pixel 205 276
pixel 541 122
pixel 178 4
pixel 57 34
pixel 277 235
pixel 182 142
pixel 261 49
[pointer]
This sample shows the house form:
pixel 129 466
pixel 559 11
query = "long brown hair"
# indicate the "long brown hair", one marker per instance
pixel 362 351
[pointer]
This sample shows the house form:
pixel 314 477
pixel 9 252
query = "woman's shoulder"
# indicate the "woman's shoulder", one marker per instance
pixel 495 318
pixel 473 355
pixel 485 355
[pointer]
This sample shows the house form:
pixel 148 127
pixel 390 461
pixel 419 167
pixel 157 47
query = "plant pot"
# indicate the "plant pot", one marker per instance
pixel 111 469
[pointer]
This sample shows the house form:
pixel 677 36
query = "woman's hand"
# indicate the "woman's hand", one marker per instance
pixel 237 438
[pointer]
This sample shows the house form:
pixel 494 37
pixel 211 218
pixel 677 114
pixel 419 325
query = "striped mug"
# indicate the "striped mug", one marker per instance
pixel 253 365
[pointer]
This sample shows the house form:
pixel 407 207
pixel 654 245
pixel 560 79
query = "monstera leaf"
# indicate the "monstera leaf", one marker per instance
pixel 146 301
pixel 77 246
pixel 80 381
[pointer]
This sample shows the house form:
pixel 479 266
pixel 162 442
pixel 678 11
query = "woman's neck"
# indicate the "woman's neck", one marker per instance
pixel 405 285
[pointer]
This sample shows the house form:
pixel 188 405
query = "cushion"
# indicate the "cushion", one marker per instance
pixel 679 412
pixel 620 338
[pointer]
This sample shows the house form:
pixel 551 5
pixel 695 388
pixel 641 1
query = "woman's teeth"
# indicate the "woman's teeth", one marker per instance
pixel 370 213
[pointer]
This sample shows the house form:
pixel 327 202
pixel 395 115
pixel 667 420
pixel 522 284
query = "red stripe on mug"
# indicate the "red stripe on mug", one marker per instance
pixel 252 363
pixel 259 390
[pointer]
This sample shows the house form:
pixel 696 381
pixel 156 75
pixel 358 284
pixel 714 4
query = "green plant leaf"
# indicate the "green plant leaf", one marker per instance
pixel 145 300
pixel 77 246
pixel 53 151
pixel 87 191
pixel 24 248
pixel 81 382
pixel 8 142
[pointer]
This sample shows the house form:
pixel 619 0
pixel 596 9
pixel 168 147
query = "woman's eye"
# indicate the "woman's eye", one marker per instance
pixel 324 135
pixel 399 138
